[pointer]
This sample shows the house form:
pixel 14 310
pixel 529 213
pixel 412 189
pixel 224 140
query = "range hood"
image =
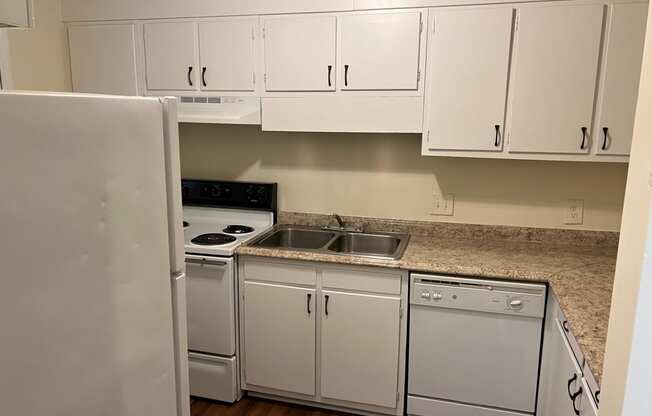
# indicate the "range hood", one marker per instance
pixel 220 110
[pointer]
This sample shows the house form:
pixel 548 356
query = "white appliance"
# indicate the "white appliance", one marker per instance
pixel 220 109
pixel 92 307
pixel 474 346
pixel 218 217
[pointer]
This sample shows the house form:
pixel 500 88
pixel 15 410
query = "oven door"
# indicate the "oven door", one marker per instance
pixel 211 304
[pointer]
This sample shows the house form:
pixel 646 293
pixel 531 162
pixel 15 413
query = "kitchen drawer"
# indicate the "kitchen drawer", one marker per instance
pixel 419 406
pixel 279 272
pixel 365 281
pixel 575 346
pixel 212 377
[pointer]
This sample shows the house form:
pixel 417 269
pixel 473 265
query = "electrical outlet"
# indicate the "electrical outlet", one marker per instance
pixel 574 211
pixel 442 204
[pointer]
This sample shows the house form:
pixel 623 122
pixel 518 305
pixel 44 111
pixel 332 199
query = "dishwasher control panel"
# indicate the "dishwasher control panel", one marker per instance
pixel 513 298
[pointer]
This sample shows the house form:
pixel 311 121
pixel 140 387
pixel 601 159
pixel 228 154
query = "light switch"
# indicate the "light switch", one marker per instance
pixel 442 204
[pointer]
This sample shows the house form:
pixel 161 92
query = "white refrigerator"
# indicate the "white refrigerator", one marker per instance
pixel 92 301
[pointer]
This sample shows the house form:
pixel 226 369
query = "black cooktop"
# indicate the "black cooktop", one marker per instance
pixel 238 229
pixel 213 239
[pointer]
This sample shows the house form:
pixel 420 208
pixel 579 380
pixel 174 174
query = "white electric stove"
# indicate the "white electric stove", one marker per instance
pixel 218 217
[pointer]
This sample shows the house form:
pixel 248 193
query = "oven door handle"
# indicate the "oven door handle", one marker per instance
pixel 204 261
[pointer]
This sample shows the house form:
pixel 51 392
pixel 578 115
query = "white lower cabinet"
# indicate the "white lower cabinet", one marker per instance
pixel 279 337
pixel 359 347
pixel 563 389
pixel 352 314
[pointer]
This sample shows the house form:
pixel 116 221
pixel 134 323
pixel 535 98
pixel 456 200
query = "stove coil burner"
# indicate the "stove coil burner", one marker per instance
pixel 213 239
pixel 238 229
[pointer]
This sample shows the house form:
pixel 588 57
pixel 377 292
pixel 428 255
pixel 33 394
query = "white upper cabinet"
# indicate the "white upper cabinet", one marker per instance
pixel 466 78
pixel 300 53
pixel 14 13
pixel 621 73
pixel 226 52
pixel 103 59
pixel 171 55
pixel 360 348
pixel 553 79
pixel 380 51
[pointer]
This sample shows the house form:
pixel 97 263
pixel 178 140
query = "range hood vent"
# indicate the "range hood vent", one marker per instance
pixel 219 109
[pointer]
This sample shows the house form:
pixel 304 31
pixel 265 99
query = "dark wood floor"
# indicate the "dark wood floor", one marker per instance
pixel 254 407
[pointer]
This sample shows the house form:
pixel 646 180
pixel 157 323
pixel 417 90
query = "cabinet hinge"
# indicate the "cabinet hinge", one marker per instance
pixel 263 33
pixel 400 312
pixel 418 75
pixel 516 23
pixel 265 78
pixel 253 34
pixel 420 23
pixel 428 136
pixel 398 397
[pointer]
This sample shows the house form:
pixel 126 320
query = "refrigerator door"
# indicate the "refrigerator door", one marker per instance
pixel 86 305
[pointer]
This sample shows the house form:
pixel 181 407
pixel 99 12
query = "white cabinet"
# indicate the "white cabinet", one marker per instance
pixel 360 347
pixel 226 51
pixel 300 53
pixel 279 337
pixel 466 78
pixel 329 334
pixel 554 78
pixel 625 35
pixel 15 13
pixel 380 51
pixel 103 59
pixel 171 56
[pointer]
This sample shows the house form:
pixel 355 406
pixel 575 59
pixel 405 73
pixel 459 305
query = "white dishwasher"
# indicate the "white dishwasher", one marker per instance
pixel 474 346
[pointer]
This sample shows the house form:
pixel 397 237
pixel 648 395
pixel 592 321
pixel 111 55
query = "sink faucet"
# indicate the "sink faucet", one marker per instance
pixel 341 226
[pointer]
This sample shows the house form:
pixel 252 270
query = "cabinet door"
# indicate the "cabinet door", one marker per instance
pixel 359 348
pixel 103 59
pixel 380 51
pixel 279 337
pixel 467 74
pixel 622 71
pixel 300 53
pixel 561 376
pixel 171 54
pixel 554 78
pixel 226 51
pixel 14 13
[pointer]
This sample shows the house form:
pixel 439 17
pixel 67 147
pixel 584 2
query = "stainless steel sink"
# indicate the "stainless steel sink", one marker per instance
pixel 387 246
pixel 376 245
pixel 296 238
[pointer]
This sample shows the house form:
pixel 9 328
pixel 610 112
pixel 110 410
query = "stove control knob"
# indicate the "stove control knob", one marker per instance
pixel 437 296
pixel 425 295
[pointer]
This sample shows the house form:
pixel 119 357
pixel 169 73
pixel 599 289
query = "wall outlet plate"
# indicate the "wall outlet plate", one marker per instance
pixel 442 204
pixel 574 211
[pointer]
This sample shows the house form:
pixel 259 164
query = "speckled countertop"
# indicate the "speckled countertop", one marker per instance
pixel 578 265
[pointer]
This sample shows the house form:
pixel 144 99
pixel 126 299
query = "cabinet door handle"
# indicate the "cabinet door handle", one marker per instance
pixel 605 131
pixel 565 326
pixel 326 298
pixel 570 382
pixel 330 69
pixel 203 76
pixel 190 76
pixel 584 129
pixel 497 140
pixel 573 398
pixel 309 296
pixel 346 75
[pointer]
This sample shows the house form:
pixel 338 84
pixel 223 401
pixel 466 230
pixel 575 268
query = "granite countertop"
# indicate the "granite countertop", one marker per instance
pixel 579 266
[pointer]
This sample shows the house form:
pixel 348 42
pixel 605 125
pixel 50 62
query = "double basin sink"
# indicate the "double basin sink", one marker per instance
pixel 388 246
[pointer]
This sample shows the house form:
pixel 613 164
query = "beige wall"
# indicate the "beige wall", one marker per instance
pixel 39 55
pixel 631 251
pixel 383 175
